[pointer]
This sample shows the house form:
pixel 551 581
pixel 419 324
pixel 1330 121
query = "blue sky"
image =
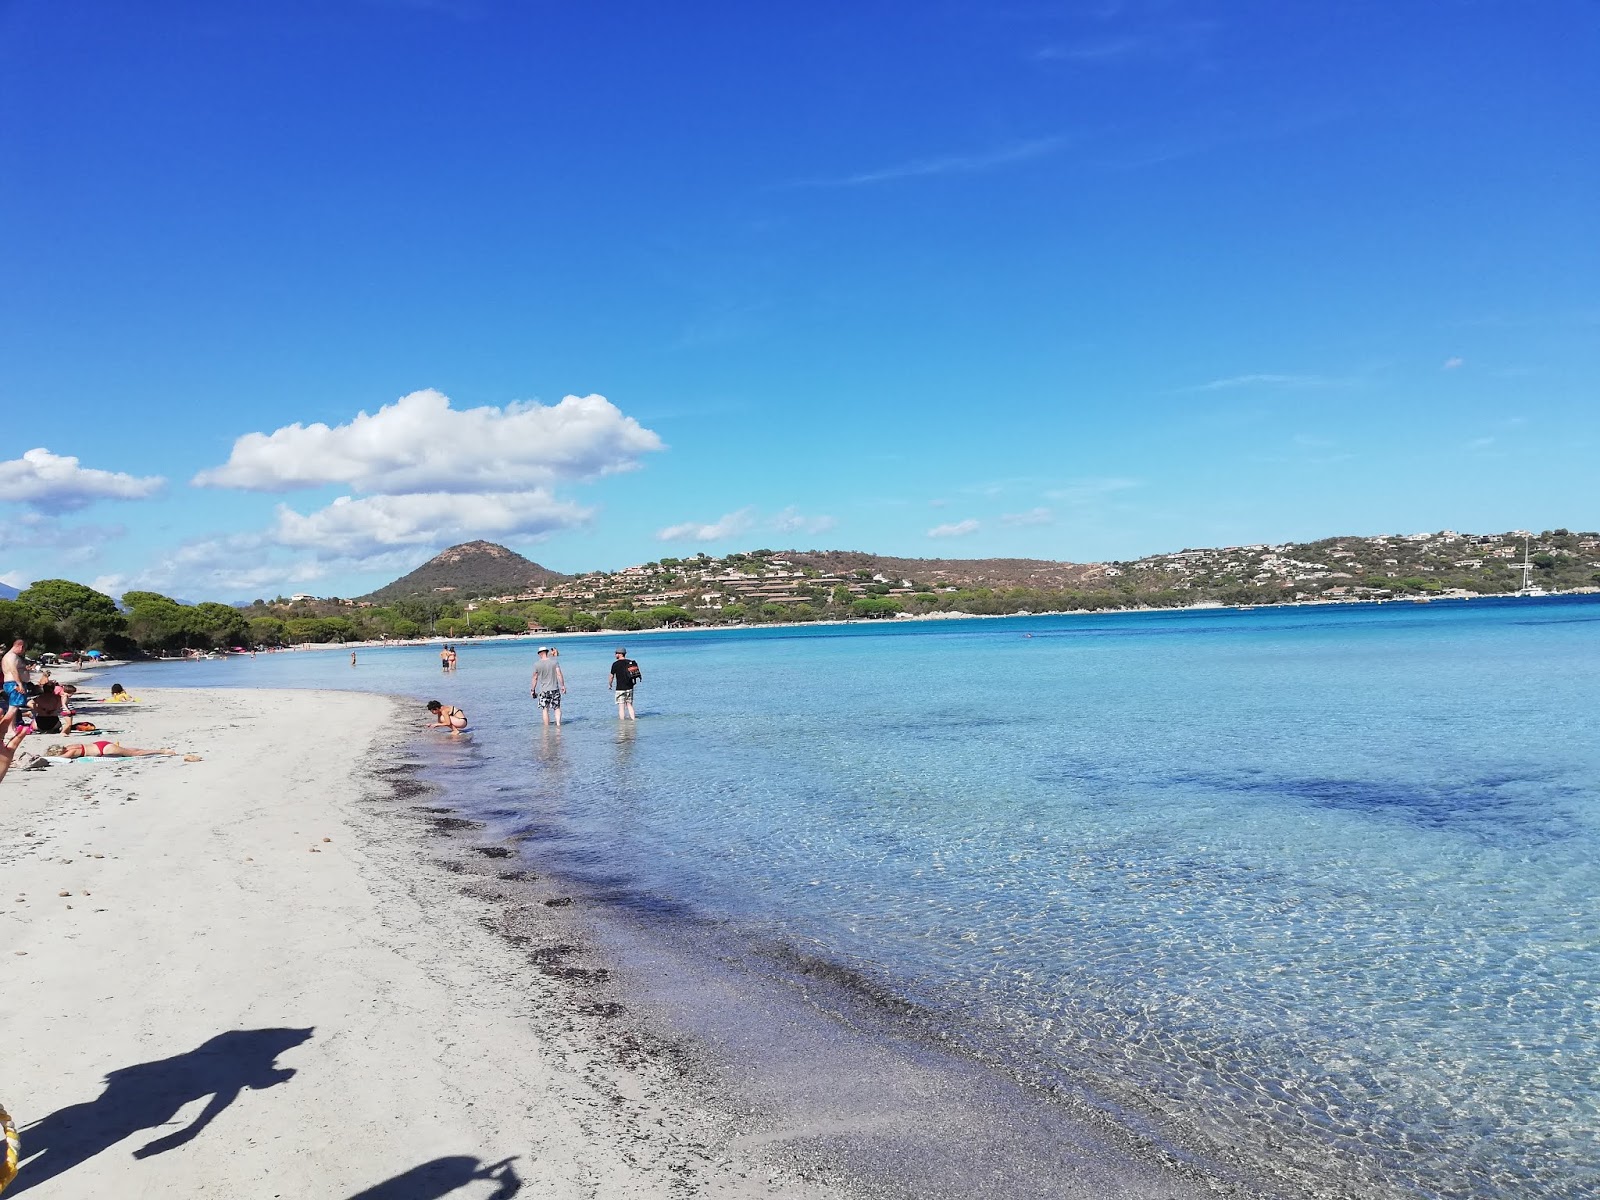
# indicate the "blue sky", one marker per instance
pixel 1064 280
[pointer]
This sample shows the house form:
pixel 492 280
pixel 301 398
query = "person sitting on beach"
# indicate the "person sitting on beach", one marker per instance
pixel 120 695
pixel 52 706
pixel 447 717
pixel 107 750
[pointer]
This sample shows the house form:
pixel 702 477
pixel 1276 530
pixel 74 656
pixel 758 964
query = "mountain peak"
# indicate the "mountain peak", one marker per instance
pixel 470 569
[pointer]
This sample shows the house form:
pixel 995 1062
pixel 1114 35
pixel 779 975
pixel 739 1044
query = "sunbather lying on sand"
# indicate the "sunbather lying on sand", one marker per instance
pixel 107 750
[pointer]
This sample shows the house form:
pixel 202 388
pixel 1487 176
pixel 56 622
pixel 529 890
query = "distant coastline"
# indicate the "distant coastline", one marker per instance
pixel 619 635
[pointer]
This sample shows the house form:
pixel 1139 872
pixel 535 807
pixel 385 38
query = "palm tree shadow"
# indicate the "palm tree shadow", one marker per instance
pixel 437 1179
pixel 150 1095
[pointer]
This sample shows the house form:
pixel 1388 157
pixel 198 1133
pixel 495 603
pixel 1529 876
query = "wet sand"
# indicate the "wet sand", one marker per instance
pixel 245 977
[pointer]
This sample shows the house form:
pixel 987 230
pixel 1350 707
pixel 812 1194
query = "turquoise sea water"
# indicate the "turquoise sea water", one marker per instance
pixel 1315 883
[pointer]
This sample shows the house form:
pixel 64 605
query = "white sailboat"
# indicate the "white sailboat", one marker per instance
pixel 1526 567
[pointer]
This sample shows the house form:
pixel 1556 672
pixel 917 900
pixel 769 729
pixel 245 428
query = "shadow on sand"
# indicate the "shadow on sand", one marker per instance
pixel 150 1095
pixel 437 1179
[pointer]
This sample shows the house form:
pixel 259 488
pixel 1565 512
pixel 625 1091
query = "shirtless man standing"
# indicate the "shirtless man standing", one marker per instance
pixel 14 671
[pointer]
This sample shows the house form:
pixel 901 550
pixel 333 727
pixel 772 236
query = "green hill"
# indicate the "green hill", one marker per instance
pixel 467 571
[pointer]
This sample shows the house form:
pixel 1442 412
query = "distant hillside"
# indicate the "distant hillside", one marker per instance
pixel 467 571
pixel 7 592
pixel 959 572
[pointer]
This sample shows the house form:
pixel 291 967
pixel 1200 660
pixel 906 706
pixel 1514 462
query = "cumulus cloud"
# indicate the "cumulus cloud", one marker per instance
pixel 359 528
pixel 1034 516
pixel 954 529
pixel 726 526
pixel 420 444
pixel 60 482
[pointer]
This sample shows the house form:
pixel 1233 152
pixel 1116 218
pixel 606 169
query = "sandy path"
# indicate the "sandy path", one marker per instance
pixel 288 999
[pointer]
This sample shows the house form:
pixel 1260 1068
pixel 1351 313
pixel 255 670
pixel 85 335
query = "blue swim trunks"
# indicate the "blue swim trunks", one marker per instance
pixel 16 697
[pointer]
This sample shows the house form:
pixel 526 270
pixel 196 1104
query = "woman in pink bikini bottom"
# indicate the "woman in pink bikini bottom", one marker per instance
pixel 100 750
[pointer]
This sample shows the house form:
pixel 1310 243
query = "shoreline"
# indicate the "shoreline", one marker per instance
pixel 260 930
pixel 902 619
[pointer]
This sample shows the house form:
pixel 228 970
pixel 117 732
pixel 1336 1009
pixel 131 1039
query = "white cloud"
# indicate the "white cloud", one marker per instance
pixel 726 526
pixel 243 566
pixel 67 545
pixel 1034 516
pixel 1089 491
pixel 420 444
pixel 1259 379
pixel 208 569
pixel 954 529
pixel 1454 362
pixel 792 521
pixel 746 519
pixel 949 164
pixel 59 482
pixel 359 528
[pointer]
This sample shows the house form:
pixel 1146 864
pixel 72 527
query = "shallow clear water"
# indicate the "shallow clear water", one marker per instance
pixel 1314 885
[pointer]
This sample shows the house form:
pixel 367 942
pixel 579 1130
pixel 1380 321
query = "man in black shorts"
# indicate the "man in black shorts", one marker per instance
pixel 624 674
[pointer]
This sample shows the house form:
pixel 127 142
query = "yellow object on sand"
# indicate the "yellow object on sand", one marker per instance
pixel 8 1167
pixel 124 698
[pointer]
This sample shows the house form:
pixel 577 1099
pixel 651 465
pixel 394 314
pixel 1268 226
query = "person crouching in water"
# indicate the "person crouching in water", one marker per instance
pixel 447 716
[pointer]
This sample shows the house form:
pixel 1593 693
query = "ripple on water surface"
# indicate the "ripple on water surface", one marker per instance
pixel 1315 887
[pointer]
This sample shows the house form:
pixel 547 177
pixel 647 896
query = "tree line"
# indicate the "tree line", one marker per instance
pixel 58 614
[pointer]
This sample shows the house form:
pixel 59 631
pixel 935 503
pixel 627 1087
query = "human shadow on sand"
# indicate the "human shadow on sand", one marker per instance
pixel 439 1178
pixel 150 1095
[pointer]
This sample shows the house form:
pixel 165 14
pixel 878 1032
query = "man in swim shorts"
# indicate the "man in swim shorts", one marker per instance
pixel 547 685
pixel 624 674
pixel 14 671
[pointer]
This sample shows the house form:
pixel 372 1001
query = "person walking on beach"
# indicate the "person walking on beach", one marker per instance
pixel 624 674
pixel 547 685
pixel 14 672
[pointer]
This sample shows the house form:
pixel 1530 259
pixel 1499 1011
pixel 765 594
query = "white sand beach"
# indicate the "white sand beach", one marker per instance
pixel 247 977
